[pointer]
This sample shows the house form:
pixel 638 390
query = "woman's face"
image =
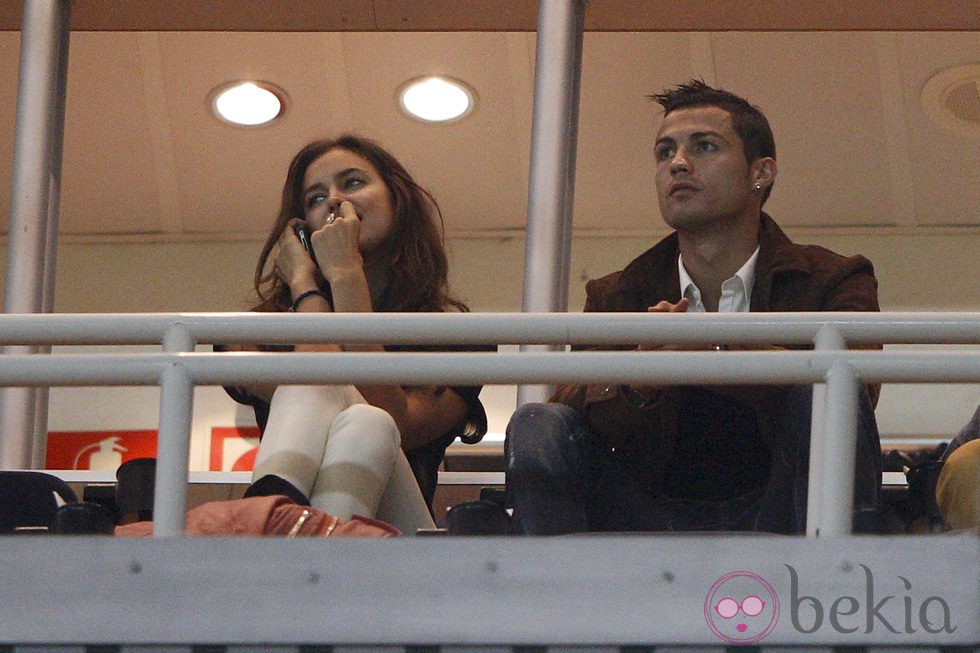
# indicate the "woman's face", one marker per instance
pixel 340 175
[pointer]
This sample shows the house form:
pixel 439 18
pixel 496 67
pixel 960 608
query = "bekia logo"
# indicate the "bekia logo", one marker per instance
pixel 742 608
pixel 870 608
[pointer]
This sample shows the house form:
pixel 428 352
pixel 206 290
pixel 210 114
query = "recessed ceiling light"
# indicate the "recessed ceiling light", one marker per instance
pixel 952 98
pixel 248 104
pixel 436 99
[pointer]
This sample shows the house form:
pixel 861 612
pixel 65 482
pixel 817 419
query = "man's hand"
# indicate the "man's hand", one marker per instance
pixel 640 395
pixel 666 307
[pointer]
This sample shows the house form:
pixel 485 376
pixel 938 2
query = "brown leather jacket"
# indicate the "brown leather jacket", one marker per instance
pixel 788 277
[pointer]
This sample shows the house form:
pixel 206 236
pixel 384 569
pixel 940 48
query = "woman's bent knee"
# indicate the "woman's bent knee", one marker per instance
pixel 367 421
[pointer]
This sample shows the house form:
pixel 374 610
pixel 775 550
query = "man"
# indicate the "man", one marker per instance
pixel 607 458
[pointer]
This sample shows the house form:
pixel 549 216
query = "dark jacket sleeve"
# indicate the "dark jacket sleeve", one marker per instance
pixel 813 278
pixel 856 289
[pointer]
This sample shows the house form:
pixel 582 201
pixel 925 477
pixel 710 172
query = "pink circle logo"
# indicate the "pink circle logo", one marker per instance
pixel 741 608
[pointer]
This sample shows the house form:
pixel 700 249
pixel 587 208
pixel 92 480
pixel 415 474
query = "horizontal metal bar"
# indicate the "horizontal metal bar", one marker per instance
pixel 492 328
pixel 471 478
pixel 589 590
pixel 244 478
pixel 773 367
pixel 109 476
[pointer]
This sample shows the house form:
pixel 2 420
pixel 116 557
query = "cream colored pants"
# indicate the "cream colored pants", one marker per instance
pixel 343 453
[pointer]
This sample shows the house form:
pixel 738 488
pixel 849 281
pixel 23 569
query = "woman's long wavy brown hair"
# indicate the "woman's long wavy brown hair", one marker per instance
pixel 414 247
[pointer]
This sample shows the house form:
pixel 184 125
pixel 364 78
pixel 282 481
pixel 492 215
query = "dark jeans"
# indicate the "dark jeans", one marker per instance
pixel 561 478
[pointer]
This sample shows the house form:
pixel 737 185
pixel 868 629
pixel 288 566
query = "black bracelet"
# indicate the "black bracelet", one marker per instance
pixel 308 293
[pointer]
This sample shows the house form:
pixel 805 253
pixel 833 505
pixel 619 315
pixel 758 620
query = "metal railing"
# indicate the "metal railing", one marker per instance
pixel 475 593
pixel 177 369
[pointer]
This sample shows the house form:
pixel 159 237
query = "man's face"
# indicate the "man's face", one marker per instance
pixel 702 175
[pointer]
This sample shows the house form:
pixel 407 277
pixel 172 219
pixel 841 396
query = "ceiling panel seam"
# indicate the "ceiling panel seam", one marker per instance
pixel 161 135
pixel 895 129
pixel 703 57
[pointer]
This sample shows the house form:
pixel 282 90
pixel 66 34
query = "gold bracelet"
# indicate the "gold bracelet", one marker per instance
pixel 294 531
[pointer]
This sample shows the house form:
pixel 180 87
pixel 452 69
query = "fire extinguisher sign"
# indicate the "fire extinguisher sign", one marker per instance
pixel 98 450
pixel 233 448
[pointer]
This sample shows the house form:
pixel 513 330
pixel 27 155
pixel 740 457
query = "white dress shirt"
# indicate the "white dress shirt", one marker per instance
pixel 735 292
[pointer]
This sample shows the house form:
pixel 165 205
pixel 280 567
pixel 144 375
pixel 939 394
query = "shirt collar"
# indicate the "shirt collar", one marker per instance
pixel 741 282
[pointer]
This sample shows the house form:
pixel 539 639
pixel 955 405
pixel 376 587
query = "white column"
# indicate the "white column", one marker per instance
pixel 173 439
pixel 827 338
pixel 554 133
pixel 34 204
pixel 836 488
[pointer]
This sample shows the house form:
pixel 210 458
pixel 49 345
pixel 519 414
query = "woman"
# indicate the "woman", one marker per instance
pixel 375 247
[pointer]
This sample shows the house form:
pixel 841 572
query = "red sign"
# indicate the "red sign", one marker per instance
pixel 233 448
pixel 98 449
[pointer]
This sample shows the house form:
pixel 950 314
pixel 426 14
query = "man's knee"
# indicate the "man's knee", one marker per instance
pixel 535 417
pixel 534 423
pixel 539 434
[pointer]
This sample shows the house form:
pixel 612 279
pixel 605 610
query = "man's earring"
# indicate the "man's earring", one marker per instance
pixel 757 187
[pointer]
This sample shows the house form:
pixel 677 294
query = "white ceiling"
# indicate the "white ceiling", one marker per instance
pixel 144 158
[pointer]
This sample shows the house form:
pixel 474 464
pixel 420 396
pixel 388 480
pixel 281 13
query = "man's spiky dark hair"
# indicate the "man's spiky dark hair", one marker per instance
pixel 748 121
